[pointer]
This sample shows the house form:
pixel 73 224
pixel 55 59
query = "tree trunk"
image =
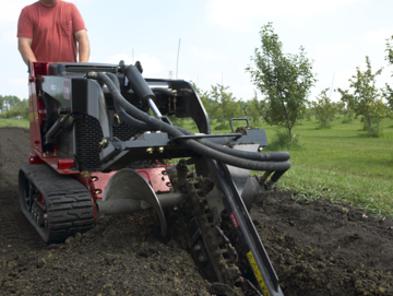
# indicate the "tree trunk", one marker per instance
pixel 289 134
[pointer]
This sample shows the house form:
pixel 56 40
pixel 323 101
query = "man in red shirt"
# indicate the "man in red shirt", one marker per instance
pixel 52 31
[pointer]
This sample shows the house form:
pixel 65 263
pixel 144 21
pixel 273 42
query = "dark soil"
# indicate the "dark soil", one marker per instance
pixel 317 248
pixel 320 248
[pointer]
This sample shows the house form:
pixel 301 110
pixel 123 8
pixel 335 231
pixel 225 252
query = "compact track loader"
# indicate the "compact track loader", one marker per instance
pixel 103 141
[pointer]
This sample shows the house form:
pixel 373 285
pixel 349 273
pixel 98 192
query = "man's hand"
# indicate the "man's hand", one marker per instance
pixel 24 46
pixel 84 45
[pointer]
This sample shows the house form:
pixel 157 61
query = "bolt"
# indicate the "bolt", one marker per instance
pixel 116 117
pixel 103 143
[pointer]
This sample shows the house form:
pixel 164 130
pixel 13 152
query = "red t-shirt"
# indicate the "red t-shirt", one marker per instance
pixel 51 30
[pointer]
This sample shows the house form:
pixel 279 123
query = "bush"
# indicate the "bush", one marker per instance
pixel 283 140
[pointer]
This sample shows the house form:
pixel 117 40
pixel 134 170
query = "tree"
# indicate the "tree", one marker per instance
pixel 365 98
pixel 254 109
pixel 283 79
pixel 207 102
pixel 324 110
pixel 389 50
pixel 388 91
pixel 220 104
pixel 225 105
pixel 21 108
pixel 8 102
pixel 388 95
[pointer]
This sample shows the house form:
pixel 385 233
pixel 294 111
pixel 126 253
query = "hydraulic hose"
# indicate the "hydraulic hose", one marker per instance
pixel 190 143
pixel 267 156
pixel 120 111
pixel 131 120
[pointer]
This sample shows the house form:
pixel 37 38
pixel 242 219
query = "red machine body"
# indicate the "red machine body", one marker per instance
pixel 94 181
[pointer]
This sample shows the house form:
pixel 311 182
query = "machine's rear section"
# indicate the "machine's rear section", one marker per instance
pixel 104 141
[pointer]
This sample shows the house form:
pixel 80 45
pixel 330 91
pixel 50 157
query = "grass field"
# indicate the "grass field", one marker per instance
pixel 341 163
pixel 13 122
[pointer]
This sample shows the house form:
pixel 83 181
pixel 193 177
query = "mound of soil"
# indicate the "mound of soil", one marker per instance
pixel 317 248
pixel 320 248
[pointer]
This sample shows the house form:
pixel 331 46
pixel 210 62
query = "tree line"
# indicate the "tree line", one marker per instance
pixel 13 107
pixel 285 80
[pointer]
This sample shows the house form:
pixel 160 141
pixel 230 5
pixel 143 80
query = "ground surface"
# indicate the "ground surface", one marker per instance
pixel 317 248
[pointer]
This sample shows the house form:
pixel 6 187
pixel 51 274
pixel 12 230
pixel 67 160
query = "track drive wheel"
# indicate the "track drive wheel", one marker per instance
pixel 57 206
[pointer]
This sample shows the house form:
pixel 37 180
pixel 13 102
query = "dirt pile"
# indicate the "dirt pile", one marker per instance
pixel 320 248
pixel 317 248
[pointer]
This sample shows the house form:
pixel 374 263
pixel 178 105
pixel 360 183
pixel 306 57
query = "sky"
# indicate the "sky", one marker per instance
pixel 218 38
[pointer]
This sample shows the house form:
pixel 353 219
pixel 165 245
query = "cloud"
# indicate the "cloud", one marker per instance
pixel 206 54
pixel 378 35
pixel 239 15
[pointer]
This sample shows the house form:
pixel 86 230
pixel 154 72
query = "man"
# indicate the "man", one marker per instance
pixel 52 31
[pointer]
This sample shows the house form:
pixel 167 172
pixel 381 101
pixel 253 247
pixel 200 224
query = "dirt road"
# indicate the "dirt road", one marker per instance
pixel 317 248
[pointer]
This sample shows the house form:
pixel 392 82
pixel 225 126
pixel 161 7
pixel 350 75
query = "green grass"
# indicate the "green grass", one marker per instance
pixel 342 164
pixel 14 123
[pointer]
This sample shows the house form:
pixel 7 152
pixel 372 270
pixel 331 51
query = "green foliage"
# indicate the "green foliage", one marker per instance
pixel 308 112
pixel 283 141
pixel 389 50
pixel 324 110
pixel 226 105
pixel 365 99
pixel 221 105
pixel 344 110
pixel 388 90
pixel 12 106
pixel 254 109
pixel 283 79
pixel 388 95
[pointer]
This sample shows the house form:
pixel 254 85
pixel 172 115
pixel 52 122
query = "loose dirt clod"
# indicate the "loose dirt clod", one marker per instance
pixel 317 248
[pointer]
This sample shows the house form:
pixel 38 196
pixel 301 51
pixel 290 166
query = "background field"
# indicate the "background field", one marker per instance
pixel 340 164
pixel 13 123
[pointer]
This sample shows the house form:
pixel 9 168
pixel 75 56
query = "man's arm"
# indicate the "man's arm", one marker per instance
pixel 24 46
pixel 84 45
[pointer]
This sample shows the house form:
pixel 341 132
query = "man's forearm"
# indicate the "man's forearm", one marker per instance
pixel 27 54
pixel 84 50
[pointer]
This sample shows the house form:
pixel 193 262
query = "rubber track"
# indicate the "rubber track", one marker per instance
pixel 68 203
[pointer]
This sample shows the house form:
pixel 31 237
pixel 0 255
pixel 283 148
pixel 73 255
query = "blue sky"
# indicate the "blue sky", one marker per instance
pixel 218 37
